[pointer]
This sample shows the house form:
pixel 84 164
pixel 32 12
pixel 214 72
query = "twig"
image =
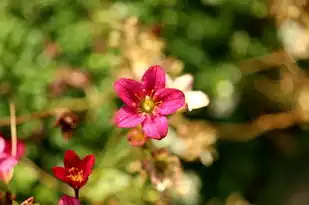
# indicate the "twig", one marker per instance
pixel 75 104
pixel 7 120
pixel 273 60
pixel 263 124
pixel 246 131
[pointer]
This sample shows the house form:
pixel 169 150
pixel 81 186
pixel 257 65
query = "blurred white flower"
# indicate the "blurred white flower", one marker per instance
pixel 208 156
pixel 194 99
pixel 173 142
pixel 188 188
pixel 295 38
pixel 236 199
pixel 226 99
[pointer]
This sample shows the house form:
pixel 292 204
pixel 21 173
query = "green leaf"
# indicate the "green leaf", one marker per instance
pixel 116 149
pixel 3 187
pixel 105 182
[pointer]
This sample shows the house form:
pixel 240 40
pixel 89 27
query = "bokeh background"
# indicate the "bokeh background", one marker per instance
pixel 248 146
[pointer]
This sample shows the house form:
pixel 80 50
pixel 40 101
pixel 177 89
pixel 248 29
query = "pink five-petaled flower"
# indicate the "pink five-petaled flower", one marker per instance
pixel 7 161
pixel 148 102
pixel 75 171
pixel 68 200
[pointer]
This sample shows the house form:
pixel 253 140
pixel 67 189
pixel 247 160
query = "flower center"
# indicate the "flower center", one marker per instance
pixel 75 174
pixel 148 105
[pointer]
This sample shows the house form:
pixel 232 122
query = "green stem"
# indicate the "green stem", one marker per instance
pixel 13 129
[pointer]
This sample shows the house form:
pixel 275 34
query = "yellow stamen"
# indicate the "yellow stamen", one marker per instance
pixel 148 105
pixel 75 174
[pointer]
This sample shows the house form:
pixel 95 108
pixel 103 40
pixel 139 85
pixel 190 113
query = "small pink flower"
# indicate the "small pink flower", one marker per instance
pixel 147 102
pixel 7 161
pixel 67 200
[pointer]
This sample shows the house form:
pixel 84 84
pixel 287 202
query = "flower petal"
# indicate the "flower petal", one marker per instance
pixel 127 117
pixel 87 164
pixel 184 82
pixel 155 127
pixel 196 99
pixel 67 200
pixel 21 148
pixel 6 176
pixel 169 81
pixel 71 159
pixel 2 144
pixel 59 172
pixel 154 78
pixel 129 91
pixel 171 100
pixel 7 162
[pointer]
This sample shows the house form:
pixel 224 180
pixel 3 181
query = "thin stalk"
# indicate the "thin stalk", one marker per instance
pixel 76 193
pixel 13 129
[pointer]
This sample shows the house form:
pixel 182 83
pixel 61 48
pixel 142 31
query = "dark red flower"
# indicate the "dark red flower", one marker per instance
pixel 157 29
pixel 75 171
pixel 67 121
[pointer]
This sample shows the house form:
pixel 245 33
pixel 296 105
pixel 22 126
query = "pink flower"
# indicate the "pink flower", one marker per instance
pixel 147 102
pixel 7 161
pixel 67 200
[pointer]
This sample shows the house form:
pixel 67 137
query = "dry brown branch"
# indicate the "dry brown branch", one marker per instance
pixel 243 132
pixel 250 130
pixel 259 126
pixel 75 104
pixel 24 118
pixel 273 60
